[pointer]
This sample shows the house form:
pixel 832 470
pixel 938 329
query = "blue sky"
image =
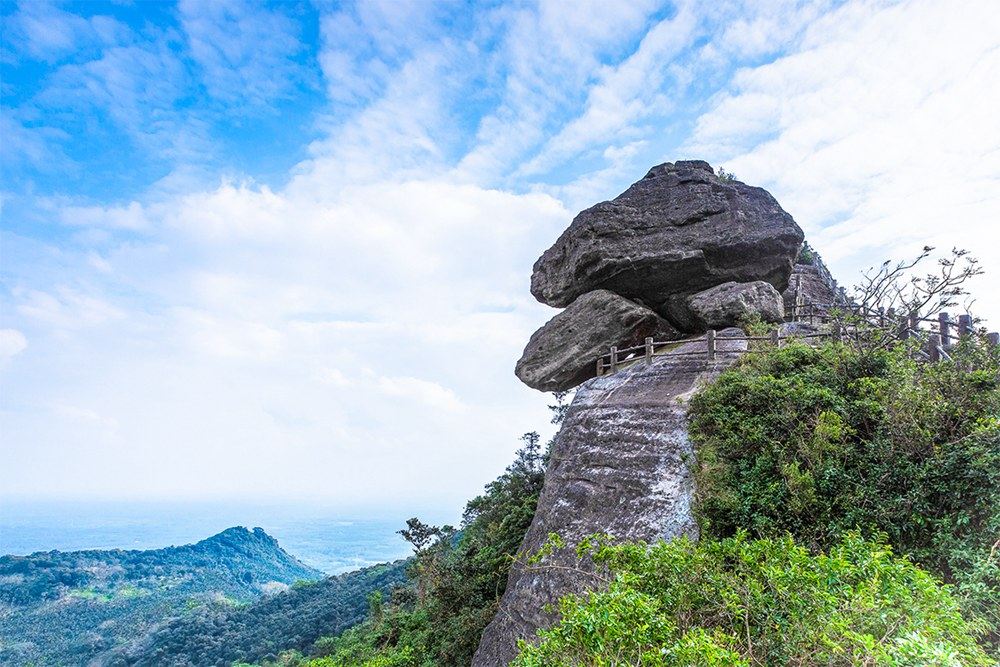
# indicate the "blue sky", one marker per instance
pixel 282 250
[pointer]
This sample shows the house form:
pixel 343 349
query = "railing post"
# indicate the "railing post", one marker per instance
pixel 993 338
pixel 600 366
pixel 934 346
pixel 775 337
pixel 838 335
pixel 914 323
pixel 710 344
pixel 649 351
pixel 964 325
pixel 944 328
pixel 614 359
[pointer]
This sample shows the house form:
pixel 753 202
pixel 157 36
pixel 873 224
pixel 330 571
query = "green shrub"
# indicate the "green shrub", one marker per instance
pixel 815 442
pixel 747 602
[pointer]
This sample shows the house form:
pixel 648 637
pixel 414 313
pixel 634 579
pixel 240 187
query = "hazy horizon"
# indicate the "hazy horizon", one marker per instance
pixel 280 252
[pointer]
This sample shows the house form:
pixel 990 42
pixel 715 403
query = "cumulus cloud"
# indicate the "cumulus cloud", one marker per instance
pixel 346 330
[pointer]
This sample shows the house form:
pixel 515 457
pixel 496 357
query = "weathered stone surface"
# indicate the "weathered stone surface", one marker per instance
pixel 563 353
pixel 619 465
pixel 729 304
pixel 678 231
pixel 811 284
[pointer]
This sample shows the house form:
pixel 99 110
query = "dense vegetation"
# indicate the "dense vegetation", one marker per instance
pixel 293 619
pixel 742 602
pixel 68 607
pixel 814 442
pixel 802 452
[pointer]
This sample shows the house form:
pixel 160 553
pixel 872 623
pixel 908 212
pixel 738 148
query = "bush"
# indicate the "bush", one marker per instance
pixel 756 602
pixel 815 442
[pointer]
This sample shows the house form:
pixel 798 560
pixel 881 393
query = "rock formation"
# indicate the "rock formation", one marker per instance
pixel 731 302
pixel 698 250
pixel 679 252
pixel 679 230
pixel 619 465
pixel 562 353
pixel 811 283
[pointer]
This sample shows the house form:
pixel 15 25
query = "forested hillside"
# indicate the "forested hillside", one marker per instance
pixel 293 619
pixel 69 607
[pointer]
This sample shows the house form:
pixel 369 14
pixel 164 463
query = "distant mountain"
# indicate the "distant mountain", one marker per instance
pixel 294 619
pixel 74 607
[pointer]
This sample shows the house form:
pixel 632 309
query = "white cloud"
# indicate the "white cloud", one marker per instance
pixel 423 391
pixel 549 57
pixel 323 338
pixel 131 217
pixel 46 32
pixel 878 139
pixel 245 51
pixel 12 343
pixel 624 94
pixel 65 308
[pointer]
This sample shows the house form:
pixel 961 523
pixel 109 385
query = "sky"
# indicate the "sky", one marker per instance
pixel 281 251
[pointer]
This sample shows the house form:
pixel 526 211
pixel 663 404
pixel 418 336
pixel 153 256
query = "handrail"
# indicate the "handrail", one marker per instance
pixel 937 342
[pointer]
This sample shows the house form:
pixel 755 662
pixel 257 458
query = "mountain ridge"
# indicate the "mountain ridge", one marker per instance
pixel 73 606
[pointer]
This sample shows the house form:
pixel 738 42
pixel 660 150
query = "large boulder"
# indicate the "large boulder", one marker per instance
pixel 620 465
pixel 678 231
pixel 563 353
pixel 730 304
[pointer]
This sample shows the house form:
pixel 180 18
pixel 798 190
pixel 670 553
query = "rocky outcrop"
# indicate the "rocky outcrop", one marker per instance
pixel 678 231
pixel 619 465
pixel 732 303
pixel 811 283
pixel 563 352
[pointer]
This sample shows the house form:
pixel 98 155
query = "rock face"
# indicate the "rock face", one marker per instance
pixel 563 352
pixel 678 231
pixel 730 303
pixel 811 283
pixel 619 465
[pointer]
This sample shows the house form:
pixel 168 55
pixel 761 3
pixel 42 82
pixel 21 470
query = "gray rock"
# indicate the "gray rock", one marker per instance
pixel 564 352
pixel 678 231
pixel 619 465
pixel 811 284
pixel 730 304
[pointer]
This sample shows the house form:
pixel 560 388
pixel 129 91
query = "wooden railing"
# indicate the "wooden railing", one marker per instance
pixel 938 338
pixel 618 358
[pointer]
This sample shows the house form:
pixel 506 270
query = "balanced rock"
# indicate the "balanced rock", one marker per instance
pixel 563 353
pixel 730 304
pixel 678 231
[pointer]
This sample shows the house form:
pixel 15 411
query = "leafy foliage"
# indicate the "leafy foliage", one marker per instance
pixel 69 607
pixel 748 602
pixel 288 621
pixel 818 442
